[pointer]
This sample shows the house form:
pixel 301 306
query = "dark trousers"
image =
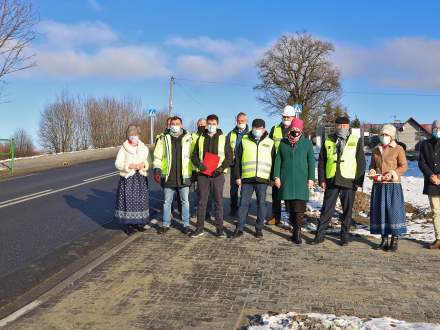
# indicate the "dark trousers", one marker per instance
pixel 346 195
pixel 276 204
pixel 247 189
pixel 233 191
pixel 207 186
pixel 296 209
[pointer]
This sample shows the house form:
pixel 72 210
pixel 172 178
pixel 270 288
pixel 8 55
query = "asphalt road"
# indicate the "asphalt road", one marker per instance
pixel 53 219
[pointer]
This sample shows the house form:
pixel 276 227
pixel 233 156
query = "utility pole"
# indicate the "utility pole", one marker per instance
pixel 170 103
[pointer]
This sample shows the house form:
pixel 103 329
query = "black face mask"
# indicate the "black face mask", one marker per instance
pixel 201 129
pixel 295 133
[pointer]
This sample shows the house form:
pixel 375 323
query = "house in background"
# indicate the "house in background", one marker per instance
pixel 411 133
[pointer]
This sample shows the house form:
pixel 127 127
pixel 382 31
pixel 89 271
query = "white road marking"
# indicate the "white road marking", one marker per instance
pixel 19 313
pixel 23 197
pixel 101 176
pixel 10 203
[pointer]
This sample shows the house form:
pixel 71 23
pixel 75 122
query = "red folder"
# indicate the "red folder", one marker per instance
pixel 211 162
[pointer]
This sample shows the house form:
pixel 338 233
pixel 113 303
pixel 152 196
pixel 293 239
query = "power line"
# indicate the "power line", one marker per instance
pixel 243 84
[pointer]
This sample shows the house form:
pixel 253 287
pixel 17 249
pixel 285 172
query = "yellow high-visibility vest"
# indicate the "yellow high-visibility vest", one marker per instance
pixel 256 160
pixel 348 164
pixel 221 149
pixel 163 156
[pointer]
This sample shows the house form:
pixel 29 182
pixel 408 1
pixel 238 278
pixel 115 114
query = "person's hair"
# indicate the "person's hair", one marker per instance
pixel 241 114
pixel 133 129
pixel 169 120
pixel 176 118
pixel 212 117
pixel 199 120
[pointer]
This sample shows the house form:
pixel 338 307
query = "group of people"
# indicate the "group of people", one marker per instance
pixel 282 158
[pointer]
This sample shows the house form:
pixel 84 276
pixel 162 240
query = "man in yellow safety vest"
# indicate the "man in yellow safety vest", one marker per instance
pixel 341 170
pixel 253 170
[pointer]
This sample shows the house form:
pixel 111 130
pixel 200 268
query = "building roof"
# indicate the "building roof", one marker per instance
pixel 423 127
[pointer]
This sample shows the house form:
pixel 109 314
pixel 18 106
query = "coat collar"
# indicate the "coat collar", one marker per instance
pixel 131 149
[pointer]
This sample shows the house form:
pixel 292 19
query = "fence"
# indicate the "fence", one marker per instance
pixel 10 155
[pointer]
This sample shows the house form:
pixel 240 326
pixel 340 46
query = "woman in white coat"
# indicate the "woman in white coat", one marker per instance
pixel 132 200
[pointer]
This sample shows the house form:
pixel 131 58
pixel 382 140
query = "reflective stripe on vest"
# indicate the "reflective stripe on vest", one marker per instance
pixel 256 161
pixel 348 164
pixel 163 156
pixel 221 149
pixel 277 136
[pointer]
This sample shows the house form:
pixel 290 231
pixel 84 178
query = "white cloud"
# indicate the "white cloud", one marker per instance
pixel 95 5
pixel 406 62
pixel 114 62
pixel 57 34
pixel 221 59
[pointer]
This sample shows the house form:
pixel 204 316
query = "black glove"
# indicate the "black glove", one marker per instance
pixel 217 172
pixel 202 167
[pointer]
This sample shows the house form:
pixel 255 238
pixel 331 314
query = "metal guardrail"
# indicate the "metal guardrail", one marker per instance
pixel 10 155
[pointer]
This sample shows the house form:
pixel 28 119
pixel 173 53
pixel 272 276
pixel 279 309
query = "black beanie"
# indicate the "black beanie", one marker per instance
pixel 342 120
pixel 258 123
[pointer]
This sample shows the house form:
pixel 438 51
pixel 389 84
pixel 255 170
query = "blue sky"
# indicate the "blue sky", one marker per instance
pixel 388 53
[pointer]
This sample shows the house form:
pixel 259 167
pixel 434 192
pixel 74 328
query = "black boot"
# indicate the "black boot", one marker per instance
pixel 394 244
pixel 296 235
pixel 129 230
pixel 344 239
pixel 383 243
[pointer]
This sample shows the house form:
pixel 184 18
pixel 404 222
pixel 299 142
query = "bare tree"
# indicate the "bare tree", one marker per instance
pixel 57 124
pixel 297 69
pixel 23 143
pixel 331 111
pixel 17 22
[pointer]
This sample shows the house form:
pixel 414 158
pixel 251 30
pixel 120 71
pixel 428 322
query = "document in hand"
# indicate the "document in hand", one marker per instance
pixel 211 162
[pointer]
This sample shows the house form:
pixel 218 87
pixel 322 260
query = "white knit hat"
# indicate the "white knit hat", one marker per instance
pixel 389 130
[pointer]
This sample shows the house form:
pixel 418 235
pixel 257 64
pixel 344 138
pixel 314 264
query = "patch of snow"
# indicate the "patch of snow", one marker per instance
pixel 417 229
pixel 328 321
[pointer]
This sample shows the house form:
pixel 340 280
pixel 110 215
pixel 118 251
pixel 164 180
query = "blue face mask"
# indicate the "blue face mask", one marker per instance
pixel 436 134
pixel 212 128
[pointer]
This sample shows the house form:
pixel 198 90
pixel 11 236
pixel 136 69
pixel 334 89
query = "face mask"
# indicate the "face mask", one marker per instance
pixel 287 123
pixel 257 132
pixel 175 129
pixel 295 134
pixel 212 128
pixel 436 134
pixel 342 132
pixel 241 126
pixel 385 140
pixel 133 139
pixel 201 129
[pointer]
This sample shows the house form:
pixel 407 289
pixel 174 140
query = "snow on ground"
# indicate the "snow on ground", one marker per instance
pixel 327 321
pixel 418 229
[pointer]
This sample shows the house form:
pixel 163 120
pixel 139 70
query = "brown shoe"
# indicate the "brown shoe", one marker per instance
pixel 435 245
pixel 272 221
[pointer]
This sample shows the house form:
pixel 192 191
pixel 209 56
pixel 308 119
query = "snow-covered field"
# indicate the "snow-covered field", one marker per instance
pixel 328 321
pixel 418 229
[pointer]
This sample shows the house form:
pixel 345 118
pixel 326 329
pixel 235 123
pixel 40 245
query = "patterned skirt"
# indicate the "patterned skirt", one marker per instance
pixel 132 200
pixel 387 209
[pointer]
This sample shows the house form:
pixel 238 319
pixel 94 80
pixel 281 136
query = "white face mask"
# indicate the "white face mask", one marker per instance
pixel 385 140
pixel 175 129
pixel 212 128
pixel 287 123
pixel 133 139
pixel 257 132
pixel 241 126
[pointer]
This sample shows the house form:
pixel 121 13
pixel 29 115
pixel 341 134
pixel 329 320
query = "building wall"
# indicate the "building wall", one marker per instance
pixel 411 135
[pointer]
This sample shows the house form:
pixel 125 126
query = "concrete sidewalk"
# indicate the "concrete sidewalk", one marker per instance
pixel 175 282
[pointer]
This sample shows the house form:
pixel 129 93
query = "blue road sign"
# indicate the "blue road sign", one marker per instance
pixel 151 112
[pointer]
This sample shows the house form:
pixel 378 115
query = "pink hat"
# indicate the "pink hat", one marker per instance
pixel 297 123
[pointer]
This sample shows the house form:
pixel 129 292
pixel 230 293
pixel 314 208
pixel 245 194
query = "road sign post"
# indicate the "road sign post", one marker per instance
pixel 152 115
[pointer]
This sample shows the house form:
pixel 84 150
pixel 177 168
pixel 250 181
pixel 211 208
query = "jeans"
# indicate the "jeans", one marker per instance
pixel 233 191
pixel 247 189
pixel 183 193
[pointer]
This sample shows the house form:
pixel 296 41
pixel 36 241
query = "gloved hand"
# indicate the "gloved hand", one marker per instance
pixel 216 173
pixel 156 175
pixel 202 167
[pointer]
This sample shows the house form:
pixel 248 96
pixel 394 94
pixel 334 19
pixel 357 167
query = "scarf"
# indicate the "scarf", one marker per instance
pixel 293 140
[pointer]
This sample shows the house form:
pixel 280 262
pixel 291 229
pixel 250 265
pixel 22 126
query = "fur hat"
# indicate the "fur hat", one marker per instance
pixel 389 130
